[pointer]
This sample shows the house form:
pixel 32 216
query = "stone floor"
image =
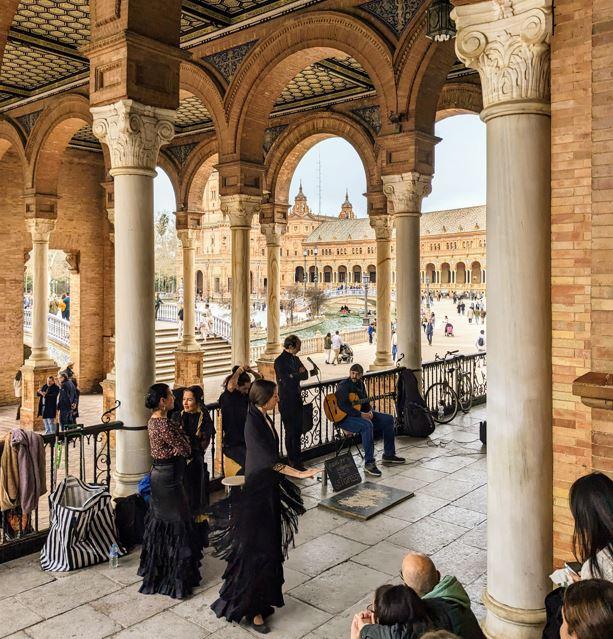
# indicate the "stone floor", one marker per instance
pixel 336 565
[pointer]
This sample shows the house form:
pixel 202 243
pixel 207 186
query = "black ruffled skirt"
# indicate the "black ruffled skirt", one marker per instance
pixel 171 552
pixel 252 530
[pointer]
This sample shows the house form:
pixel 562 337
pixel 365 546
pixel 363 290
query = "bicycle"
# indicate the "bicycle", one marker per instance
pixel 442 398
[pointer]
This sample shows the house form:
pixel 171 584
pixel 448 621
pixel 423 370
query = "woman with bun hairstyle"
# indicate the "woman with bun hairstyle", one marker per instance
pixel 171 552
pixel 253 529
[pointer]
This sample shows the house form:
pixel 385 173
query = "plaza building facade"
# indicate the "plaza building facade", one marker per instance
pixel 95 95
pixel 339 250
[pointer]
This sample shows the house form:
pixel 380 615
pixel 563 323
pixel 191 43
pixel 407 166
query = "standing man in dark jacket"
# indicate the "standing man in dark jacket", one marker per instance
pixel 66 401
pixel 290 372
pixel 47 405
pixel 364 420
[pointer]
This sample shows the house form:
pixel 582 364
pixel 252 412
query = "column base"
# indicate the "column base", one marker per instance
pixel 34 375
pixel 506 622
pixel 382 363
pixel 189 367
pixel 126 484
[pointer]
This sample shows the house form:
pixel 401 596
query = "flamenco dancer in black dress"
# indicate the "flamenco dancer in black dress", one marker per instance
pixel 171 552
pixel 261 521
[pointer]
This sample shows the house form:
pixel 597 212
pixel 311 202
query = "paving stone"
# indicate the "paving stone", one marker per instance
pixel 197 610
pixel 476 589
pixel 340 587
pixel 415 508
pixel 78 623
pixel 22 575
pixel 372 531
pixel 293 578
pixel 448 463
pixel 475 500
pixel 447 488
pixel 403 483
pixel 477 537
pixel 475 475
pixel 384 556
pixel 338 627
pixel 14 616
pixel 309 502
pixel 211 570
pixel 427 536
pixel 165 625
pixel 316 522
pixel 128 606
pixel 425 474
pixel 460 516
pixel 322 553
pixel 125 573
pixel 230 631
pixel 480 611
pixel 460 560
pixel 18 635
pixel 70 592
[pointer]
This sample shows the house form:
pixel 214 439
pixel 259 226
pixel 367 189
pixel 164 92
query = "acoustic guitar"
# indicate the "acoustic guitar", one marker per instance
pixel 335 413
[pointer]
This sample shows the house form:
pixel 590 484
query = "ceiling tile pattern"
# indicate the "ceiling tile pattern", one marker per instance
pixel 192 114
pixel 396 14
pixel 65 21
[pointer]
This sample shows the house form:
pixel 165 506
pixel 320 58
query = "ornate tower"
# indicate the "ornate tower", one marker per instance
pixel 346 209
pixel 300 204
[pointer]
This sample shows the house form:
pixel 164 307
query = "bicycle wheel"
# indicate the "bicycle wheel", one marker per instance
pixel 442 402
pixel 465 393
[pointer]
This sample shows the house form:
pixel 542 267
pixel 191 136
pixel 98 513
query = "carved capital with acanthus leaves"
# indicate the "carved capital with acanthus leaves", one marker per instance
pixel 406 191
pixel 508 43
pixel 240 209
pixel 133 133
pixel 40 229
pixel 383 226
pixel 273 232
pixel 187 237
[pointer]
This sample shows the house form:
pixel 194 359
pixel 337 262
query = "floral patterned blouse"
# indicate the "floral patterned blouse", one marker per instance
pixel 167 439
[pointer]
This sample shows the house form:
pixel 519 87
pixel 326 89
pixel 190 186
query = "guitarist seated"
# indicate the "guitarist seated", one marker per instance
pixel 353 400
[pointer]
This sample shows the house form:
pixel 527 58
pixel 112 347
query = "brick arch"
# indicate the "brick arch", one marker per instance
pixel 7 14
pixel 273 63
pixel 53 130
pixel 169 167
pixel 12 138
pixel 197 172
pixel 199 82
pixel 291 146
pixel 457 98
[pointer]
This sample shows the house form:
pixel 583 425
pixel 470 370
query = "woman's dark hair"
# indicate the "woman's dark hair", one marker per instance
pixel 18 375
pixel 261 391
pixel 292 341
pixel 197 392
pixel 63 377
pixel 328 335
pixel 591 504
pixel 588 609
pixel 400 605
pixel 243 378
pixel 155 394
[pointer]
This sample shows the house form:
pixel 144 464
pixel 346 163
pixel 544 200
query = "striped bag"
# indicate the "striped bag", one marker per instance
pixel 82 528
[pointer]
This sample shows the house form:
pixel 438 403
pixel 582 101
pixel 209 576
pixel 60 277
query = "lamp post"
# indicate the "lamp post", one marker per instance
pixel 304 273
pixel 427 291
pixel 365 283
pixel 315 251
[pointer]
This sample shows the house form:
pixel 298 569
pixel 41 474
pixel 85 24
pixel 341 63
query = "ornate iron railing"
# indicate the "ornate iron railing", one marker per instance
pixel 58 329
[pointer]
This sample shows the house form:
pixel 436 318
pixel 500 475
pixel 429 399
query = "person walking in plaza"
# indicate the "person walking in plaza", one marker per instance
pixel 337 342
pixel 470 314
pixel 66 309
pixel 234 402
pixel 429 331
pixel 157 304
pixel 480 343
pixel 290 372
pixel 253 529
pixel 394 345
pixel 171 554
pixel 365 421
pixel 66 401
pixel 371 332
pixel 47 405
pixel 180 322
pixel 17 391
pixel 328 347
pixel 482 315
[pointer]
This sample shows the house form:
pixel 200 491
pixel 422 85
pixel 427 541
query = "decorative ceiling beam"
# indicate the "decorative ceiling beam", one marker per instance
pixel 218 18
pixel 346 73
pixel 17 91
pixel 44 44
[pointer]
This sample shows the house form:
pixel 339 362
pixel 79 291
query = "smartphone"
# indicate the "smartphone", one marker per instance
pixel 574 567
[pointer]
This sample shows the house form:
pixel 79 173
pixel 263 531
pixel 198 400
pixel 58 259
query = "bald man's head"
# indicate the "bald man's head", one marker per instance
pixel 419 573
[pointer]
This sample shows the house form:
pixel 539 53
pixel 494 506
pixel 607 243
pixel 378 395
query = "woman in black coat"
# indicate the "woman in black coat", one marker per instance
pixel 262 520
pixel 47 405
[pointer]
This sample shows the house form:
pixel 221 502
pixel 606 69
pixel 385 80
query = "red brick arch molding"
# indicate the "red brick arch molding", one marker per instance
pixel 290 147
pixel 197 172
pixel 273 63
pixel 7 14
pixel 12 138
pixel 170 168
pixel 53 130
pixel 457 98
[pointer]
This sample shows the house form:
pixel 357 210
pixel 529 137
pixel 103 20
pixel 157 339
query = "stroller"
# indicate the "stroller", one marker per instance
pixel 345 355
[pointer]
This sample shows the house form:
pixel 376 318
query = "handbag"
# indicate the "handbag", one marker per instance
pixel 307 417
pixel 82 527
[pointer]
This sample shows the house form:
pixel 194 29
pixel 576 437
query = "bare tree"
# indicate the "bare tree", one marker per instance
pixel 315 298
pixel 293 293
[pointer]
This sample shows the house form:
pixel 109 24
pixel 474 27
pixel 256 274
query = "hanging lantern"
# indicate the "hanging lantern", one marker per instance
pixel 440 24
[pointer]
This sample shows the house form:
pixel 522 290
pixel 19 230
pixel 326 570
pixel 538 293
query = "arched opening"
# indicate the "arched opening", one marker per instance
pixel 372 273
pixel 168 255
pixel 357 275
pixel 475 273
pixel 200 292
pixel 299 275
pixel 342 275
pixel 430 273
pixel 312 274
pixel 327 274
pixel 460 270
pixel 445 273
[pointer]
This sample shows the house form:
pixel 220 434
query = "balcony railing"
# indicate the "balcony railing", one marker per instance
pixel 58 328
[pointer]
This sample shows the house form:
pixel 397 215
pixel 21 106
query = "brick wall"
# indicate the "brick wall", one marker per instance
pixel 582 242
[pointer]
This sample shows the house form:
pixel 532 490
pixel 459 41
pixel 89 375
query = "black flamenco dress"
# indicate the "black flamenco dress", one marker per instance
pixel 253 528
pixel 171 551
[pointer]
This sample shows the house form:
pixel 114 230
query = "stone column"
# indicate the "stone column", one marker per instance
pixel 133 133
pixel 240 209
pixel 509 46
pixel 108 383
pixel 405 193
pixel 188 356
pixel 273 233
pixel 40 363
pixel 382 224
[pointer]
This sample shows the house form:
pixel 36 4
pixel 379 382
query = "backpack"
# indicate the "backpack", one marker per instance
pixel 413 417
pixel 130 519
pixel 481 341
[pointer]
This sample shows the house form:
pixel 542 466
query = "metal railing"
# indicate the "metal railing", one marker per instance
pixel 58 329
pixel 84 452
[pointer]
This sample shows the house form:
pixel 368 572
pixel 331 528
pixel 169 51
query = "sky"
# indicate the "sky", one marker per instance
pixel 459 178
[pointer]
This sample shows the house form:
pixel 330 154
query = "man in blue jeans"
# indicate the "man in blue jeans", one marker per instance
pixel 364 421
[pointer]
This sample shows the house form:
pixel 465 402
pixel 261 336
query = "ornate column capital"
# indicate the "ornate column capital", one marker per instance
pixel 273 232
pixel 507 42
pixel 134 133
pixel 187 238
pixel 40 228
pixel 383 226
pixel 406 191
pixel 74 261
pixel 240 209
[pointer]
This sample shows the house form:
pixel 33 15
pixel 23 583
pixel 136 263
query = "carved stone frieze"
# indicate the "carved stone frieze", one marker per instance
pixel 371 115
pixel 226 62
pixel 240 209
pixel 508 43
pixel 406 191
pixel 133 133
pixel 271 134
pixel 40 229
pixel 181 152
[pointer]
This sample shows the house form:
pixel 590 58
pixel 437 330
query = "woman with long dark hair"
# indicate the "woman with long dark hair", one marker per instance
pixel 171 552
pixel 255 528
pixel 588 610
pixel 198 426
